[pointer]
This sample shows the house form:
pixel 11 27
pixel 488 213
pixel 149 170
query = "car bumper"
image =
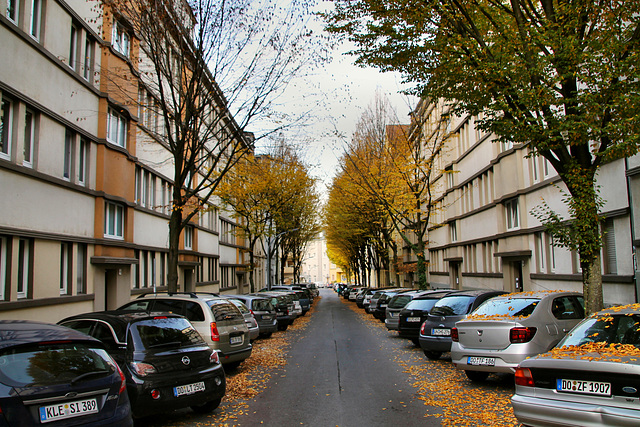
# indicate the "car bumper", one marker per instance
pixel 540 412
pixel 430 343
pixel 142 404
pixel 268 327
pixel 234 356
pixel 391 324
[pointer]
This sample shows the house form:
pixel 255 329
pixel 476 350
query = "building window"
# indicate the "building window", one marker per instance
pixel 152 266
pixel 609 247
pixel 453 231
pixel 120 39
pixel 506 145
pixel 116 128
pixel 66 267
pixel 541 252
pixel 29 138
pixel 450 179
pixel 6 119
pixel 513 216
pixel 188 237
pixel 81 270
pixel 163 268
pixel 88 60
pixel 36 18
pixel 5 262
pixel 13 8
pixel 24 268
pixel 73 47
pixel 68 151
pixel 113 220
pixel 83 160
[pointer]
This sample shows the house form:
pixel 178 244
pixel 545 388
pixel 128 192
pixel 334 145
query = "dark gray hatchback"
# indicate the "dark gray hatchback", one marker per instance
pixel 55 375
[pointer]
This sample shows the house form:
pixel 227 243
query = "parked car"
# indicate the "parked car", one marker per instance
pixel 263 311
pixel 249 320
pixel 368 296
pixel 303 296
pixel 353 293
pixel 166 363
pixel 435 332
pixel 395 305
pixel 312 287
pixel 507 329
pixel 284 308
pixel 361 295
pixel 591 378
pixel 55 375
pixel 379 307
pixel 219 321
pixel 415 313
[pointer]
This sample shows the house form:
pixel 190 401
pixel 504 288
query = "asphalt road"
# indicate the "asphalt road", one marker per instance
pixel 340 372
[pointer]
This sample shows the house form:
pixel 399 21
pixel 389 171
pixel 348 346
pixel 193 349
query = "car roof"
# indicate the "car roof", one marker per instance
pixel 206 296
pixel 19 332
pixel 620 310
pixel 245 296
pixel 120 319
pixel 538 294
pixel 476 292
pixel 436 294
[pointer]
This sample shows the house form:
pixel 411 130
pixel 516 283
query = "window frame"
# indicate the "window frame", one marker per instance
pixel 23 284
pixel 512 214
pixel 13 14
pixel 120 39
pixel 66 267
pixel 89 56
pixel 118 212
pixel 67 164
pixel 188 237
pixel 29 138
pixel 6 122
pixel 121 127
pixel 35 20
pixel 5 263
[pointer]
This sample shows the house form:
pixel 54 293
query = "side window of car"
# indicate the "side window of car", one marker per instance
pixel 83 326
pixel 173 306
pixel 138 305
pixel 563 308
pixel 104 334
pixel 193 312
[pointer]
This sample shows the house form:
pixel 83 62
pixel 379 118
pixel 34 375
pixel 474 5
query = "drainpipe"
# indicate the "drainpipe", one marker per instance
pixel 634 250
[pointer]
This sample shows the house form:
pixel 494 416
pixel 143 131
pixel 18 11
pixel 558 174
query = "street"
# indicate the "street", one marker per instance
pixel 343 368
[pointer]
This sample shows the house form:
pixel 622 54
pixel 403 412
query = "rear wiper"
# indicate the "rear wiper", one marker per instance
pixel 89 374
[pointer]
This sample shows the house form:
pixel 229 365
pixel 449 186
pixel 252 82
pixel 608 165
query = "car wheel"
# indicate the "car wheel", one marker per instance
pixel 207 407
pixel 231 366
pixel 266 335
pixel 477 376
pixel 415 342
pixel 282 327
pixel 432 355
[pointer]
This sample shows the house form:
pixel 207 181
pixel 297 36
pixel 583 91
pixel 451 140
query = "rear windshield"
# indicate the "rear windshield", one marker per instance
pixel 243 308
pixel 453 306
pixel 224 310
pixel 261 305
pixel 168 332
pixel 609 328
pixel 421 304
pixel 512 307
pixel 399 301
pixel 50 364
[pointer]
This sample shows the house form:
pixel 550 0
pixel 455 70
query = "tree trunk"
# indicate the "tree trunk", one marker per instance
pixel 175 227
pixel 592 285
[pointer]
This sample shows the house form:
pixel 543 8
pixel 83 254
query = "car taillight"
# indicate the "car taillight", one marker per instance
pixel 454 335
pixel 215 335
pixel 423 327
pixel 521 334
pixel 123 383
pixel 523 377
pixel 214 358
pixel 142 369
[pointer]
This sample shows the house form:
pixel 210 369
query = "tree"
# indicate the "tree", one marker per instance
pixel 560 77
pixel 209 69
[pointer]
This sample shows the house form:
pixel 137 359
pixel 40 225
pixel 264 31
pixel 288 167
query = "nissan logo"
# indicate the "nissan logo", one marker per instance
pixel 186 360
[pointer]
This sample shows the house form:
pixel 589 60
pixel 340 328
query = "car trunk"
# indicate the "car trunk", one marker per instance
pixel 492 334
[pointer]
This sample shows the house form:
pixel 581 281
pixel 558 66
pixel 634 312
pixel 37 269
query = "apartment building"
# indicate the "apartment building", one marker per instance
pixel 482 233
pixel 86 175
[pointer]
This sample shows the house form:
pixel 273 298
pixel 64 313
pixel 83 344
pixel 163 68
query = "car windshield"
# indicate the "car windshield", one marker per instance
pixel 453 306
pixel 53 363
pixel 224 310
pixel 512 307
pixel 399 301
pixel 608 328
pixel 262 305
pixel 421 304
pixel 243 308
pixel 165 332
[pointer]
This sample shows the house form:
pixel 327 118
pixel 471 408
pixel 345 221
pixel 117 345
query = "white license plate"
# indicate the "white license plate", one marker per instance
pixel 441 332
pixel 584 387
pixel 481 361
pixel 68 410
pixel 188 389
pixel 236 340
pixel 413 319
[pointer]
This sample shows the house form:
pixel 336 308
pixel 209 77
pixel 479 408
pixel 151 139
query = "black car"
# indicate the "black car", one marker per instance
pixel 284 308
pixel 380 309
pixel 435 332
pixel 166 362
pixel 303 295
pixel 55 375
pixel 263 310
pixel 415 313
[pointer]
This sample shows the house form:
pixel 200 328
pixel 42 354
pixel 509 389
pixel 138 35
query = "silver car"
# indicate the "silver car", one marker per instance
pixel 251 322
pixel 592 378
pixel 507 329
pixel 395 306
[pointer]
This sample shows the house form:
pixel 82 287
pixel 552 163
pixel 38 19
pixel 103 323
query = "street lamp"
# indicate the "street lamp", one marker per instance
pixel 270 242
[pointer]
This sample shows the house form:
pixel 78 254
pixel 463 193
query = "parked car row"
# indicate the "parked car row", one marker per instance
pixel 160 352
pixel 568 370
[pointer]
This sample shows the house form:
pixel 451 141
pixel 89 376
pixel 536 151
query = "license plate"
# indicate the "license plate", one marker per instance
pixel 441 332
pixel 584 387
pixel 481 361
pixel 68 410
pixel 188 389
pixel 267 317
pixel 413 319
pixel 236 340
